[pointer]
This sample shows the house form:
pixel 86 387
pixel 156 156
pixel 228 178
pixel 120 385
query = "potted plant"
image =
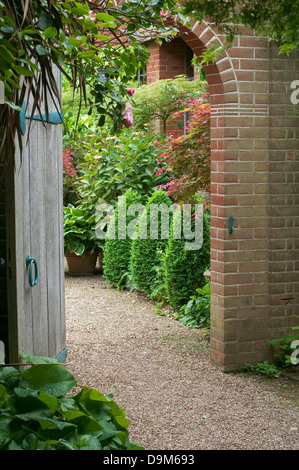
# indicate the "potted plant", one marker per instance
pixel 81 247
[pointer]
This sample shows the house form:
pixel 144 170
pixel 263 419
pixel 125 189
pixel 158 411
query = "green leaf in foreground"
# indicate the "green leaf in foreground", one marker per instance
pixel 38 412
pixel 54 379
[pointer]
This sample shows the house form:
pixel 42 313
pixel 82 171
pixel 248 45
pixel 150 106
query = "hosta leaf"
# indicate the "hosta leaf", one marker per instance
pixel 80 250
pixel 89 442
pixel 37 359
pixel 73 245
pixel 50 423
pixel 8 372
pixel 52 379
pixel 30 407
pixel 3 392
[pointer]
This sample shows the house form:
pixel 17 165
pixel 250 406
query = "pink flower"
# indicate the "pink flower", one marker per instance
pixel 131 91
pixel 128 115
pixel 91 15
pixel 164 14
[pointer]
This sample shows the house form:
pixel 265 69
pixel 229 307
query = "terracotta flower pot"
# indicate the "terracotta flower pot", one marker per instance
pixel 81 265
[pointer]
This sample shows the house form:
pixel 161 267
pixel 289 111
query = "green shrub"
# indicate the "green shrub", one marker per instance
pixel 117 250
pixel 116 163
pixel 184 269
pixel 39 413
pixel 159 101
pixel 262 368
pixel 284 347
pixel 147 254
pixel 196 313
pixel 79 230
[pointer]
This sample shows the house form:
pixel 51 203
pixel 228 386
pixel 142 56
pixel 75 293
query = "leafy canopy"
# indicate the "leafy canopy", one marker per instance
pixel 91 42
pixel 277 19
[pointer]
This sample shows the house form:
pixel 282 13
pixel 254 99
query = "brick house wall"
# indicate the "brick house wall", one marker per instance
pixel 169 60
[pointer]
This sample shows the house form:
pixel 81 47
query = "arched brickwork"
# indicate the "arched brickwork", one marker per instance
pixel 254 171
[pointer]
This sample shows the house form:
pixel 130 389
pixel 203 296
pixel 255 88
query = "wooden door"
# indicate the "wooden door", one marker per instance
pixel 34 208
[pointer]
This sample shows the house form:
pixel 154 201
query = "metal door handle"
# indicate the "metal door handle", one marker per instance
pixel 30 262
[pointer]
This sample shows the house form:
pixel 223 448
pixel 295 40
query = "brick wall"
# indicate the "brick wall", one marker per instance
pixel 168 61
pixel 283 194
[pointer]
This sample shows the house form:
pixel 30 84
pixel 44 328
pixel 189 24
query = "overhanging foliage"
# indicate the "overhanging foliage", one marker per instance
pixel 276 19
pixel 90 42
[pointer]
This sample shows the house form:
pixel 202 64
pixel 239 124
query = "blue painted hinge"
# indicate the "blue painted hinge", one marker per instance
pixel 53 118
pixel 62 356
pixel 231 225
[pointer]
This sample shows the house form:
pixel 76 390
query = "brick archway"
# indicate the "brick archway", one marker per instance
pixel 254 168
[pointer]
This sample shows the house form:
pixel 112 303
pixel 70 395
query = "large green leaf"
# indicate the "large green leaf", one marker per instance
pixel 73 245
pixel 30 407
pixel 53 379
pixel 80 250
pixel 89 442
pixel 37 359
pixel 3 392
pixel 23 71
pixel 8 372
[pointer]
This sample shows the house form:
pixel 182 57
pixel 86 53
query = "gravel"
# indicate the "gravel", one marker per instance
pixel 161 374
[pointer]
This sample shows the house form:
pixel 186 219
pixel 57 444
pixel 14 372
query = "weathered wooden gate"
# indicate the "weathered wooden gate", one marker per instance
pixel 34 244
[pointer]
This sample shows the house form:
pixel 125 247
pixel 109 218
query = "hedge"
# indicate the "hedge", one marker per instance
pixel 184 269
pixel 117 250
pixel 147 254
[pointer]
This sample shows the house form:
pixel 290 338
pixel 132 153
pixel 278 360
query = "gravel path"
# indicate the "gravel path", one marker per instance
pixel 160 373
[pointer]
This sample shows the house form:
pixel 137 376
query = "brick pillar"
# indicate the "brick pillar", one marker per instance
pixel 239 260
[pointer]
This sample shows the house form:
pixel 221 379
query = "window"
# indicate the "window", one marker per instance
pixel 141 76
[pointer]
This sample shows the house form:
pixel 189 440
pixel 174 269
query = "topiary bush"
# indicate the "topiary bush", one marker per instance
pixel 184 269
pixel 146 261
pixel 117 250
pixel 38 412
